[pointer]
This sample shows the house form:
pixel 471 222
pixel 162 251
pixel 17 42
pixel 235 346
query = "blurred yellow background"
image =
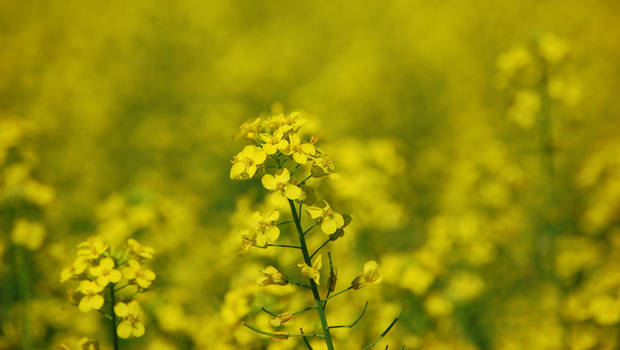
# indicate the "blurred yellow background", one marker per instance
pixel 477 142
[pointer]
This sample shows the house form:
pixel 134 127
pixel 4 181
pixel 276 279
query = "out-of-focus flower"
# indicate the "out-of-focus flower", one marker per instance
pixel 140 250
pixel 271 275
pixel 312 272
pixel 371 274
pixel 29 234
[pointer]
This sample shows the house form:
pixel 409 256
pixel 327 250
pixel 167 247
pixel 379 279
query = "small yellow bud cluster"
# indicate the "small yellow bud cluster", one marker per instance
pixel 97 267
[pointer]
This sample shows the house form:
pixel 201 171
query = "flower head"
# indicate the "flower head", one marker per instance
pixel 330 220
pixel 105 272
pixel 140 250
pixel 312 272
pixel 92 248
pixel 274 142
pixel 271 275
pixel 77 268
pixel 91 299
pixel 246 162
pixel 141 276
pixel 131 324
pixel 280 186
pixel 300 151
pixel 371 274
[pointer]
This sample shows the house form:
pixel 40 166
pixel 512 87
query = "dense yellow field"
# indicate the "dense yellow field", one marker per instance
pixel 469 153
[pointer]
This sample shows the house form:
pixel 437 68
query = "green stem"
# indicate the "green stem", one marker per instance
pixel 23 285
pixel 112 302
pixel 313 286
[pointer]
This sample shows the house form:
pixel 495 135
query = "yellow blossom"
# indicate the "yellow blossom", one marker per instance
pixel 271 275
pixel 274 142
pixel 264 230
pixel 312 272
pixel 91 299
pixel 105 272
pixel 250 130
pixel 371 274
pixel 92 248
pixel 131 324
pixel 73 270
pixel 330 220
pixel 280 187
pixel 246 162
pixel 300 151
pixel 281 318
pixel 140 250
pixel 141 276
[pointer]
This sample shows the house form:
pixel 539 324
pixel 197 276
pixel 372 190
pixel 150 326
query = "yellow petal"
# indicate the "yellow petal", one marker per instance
pixel 272 233
pixel 314 212
pixel 259 156
pixel 269 148
pixel 317 263
pixel 329 226
pixel 269 182
pixel 115 276
pixel 308 148
pixel 273 216
pixel 300 158
pixel 292 192
pixel 124 329
pixel 251 170
pixel 121 309
pixel 282 176
pixel 236 170
pixel 138 329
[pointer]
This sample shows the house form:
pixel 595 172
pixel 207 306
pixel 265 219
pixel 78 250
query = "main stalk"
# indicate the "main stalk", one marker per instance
pixel 313 286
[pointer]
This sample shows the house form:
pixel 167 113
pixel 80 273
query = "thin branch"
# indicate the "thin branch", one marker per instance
pixel 306 340
pixel 285 222
pixel 337 294
pixel 299 212
pixel 304 180
pixel 294 170
pixel 369 346
pixel 283 246
pixel 280 335
pixel 354 322
pixel 330 289
pixel 303 310
pixel 269 312
pixel 321 247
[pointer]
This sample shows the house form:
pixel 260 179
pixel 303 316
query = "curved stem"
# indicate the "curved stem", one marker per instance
pixel 313 286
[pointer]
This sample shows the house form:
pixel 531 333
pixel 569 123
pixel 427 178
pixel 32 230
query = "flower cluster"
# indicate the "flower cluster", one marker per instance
pixel 531 76
pixel 103 273
pixel 285 160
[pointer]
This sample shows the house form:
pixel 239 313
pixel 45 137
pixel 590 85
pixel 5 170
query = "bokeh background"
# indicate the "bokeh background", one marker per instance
pixel 478 144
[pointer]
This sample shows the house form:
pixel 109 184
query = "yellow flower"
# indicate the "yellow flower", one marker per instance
pixel 75 269
pixel 250 130
pixel 105 272
pixel 92 248
pixel 141 276
pixel 140 250
pixel 330 220
pixel 312 272
pixel 275 141
pixel 322 166
pixel 91 299
pixel 371 274
pixel 300 151
pixel 271 275
pixel 264 230
pixel 280 187
pixel 246 162
pixel 29 234
pixel 281 318
pixel 131 324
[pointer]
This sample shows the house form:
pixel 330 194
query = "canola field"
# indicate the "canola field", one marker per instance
pixel 309 175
